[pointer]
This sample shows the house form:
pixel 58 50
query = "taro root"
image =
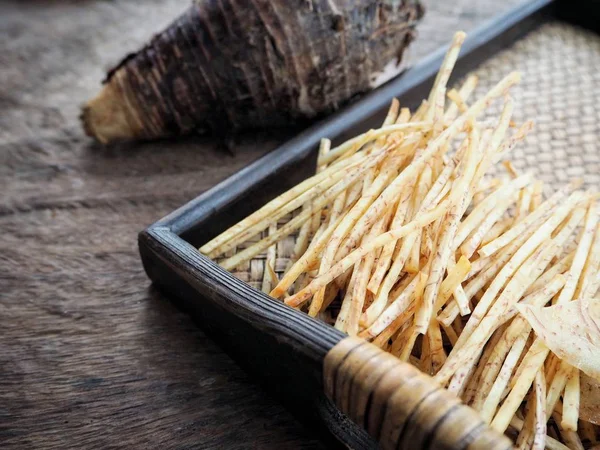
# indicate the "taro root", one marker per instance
pixel 226 65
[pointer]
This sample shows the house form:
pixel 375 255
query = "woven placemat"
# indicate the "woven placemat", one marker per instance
pixel 558 91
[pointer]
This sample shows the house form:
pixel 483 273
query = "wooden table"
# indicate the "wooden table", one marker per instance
pixel 91 356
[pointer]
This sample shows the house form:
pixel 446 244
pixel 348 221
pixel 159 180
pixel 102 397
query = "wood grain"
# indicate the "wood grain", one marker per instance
pixel 90 355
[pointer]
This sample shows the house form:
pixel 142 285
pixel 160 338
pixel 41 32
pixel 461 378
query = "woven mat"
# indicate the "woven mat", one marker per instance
pixel 558 91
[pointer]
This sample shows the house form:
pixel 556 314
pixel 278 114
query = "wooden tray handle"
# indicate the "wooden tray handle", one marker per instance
pixel 400 406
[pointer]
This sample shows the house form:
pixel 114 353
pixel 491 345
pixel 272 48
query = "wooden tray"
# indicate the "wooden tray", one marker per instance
pixel 317 371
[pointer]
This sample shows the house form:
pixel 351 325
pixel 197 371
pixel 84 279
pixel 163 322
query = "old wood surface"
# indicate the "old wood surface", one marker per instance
pixel 91 356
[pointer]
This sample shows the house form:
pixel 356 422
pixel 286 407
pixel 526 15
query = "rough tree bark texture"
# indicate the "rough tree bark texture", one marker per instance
pixel 90 355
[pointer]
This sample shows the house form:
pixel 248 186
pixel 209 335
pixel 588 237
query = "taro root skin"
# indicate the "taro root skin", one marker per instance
pixel 228 65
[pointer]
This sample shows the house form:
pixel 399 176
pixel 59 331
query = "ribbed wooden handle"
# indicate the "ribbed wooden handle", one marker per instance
pixel 400 406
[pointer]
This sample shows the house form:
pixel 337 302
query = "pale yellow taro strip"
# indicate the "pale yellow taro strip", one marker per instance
pixel 464 92
pixel 581 254
pixel 550 444
pixel 499 262
pixel 478 265
pixel 517 137
pixel 425 357
pixel 538 236
pixel 557 385
pixel 426 218
pixel 485 184
pixel 592 282
pixel 512 292
pixel 457 99
pixel 561 266
pixel 324 148
pixel 460 390
pixel 409 343
pixel 455 277
pixel 342 317
pixel 465 355
pixel 497 229
pixel 423 186
pixel 488 409
pixel 400 339
pixel 411 332
pixel 541 296
pixel 539 438
pixel 570 438
pixel 473 387
pixel 449 314
pixel 385 259
pixel 471 244
pixel 302 241
pixel 353 195
pixel 253 250
pixel 451 334
pixel 436 347
pixel 524 440
pixel 551 366
pixel 489 149
pixel 414 257
pixel 496 147
pixel 300 266
pixel 304 262
pixel 404 115
pixel 315 221
pixel 446 236
pixel 483 209
pixel 381 300
pixel 354 144
pixel 374 211
pixel 536 195
pixel 360 286
pixel 277 203
pixel 310 227
pixel 570 412
pixel 434 146
pixel 528 221
pixel 461 300
pixel 558 242
pixel 510 168
pixel 336 211
pixel 442 181
pixel 269 279
pixel 314 196
pixel 428 238
pixel 438 90
pixel 442 194
pixel 468 354
pixel 524 204
pixel 370 193
pixel 515 331
pixel 398 306
pixel 392 114
pixel 401 284
pixel 398 325
pixel 421 111
pixel 534 359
